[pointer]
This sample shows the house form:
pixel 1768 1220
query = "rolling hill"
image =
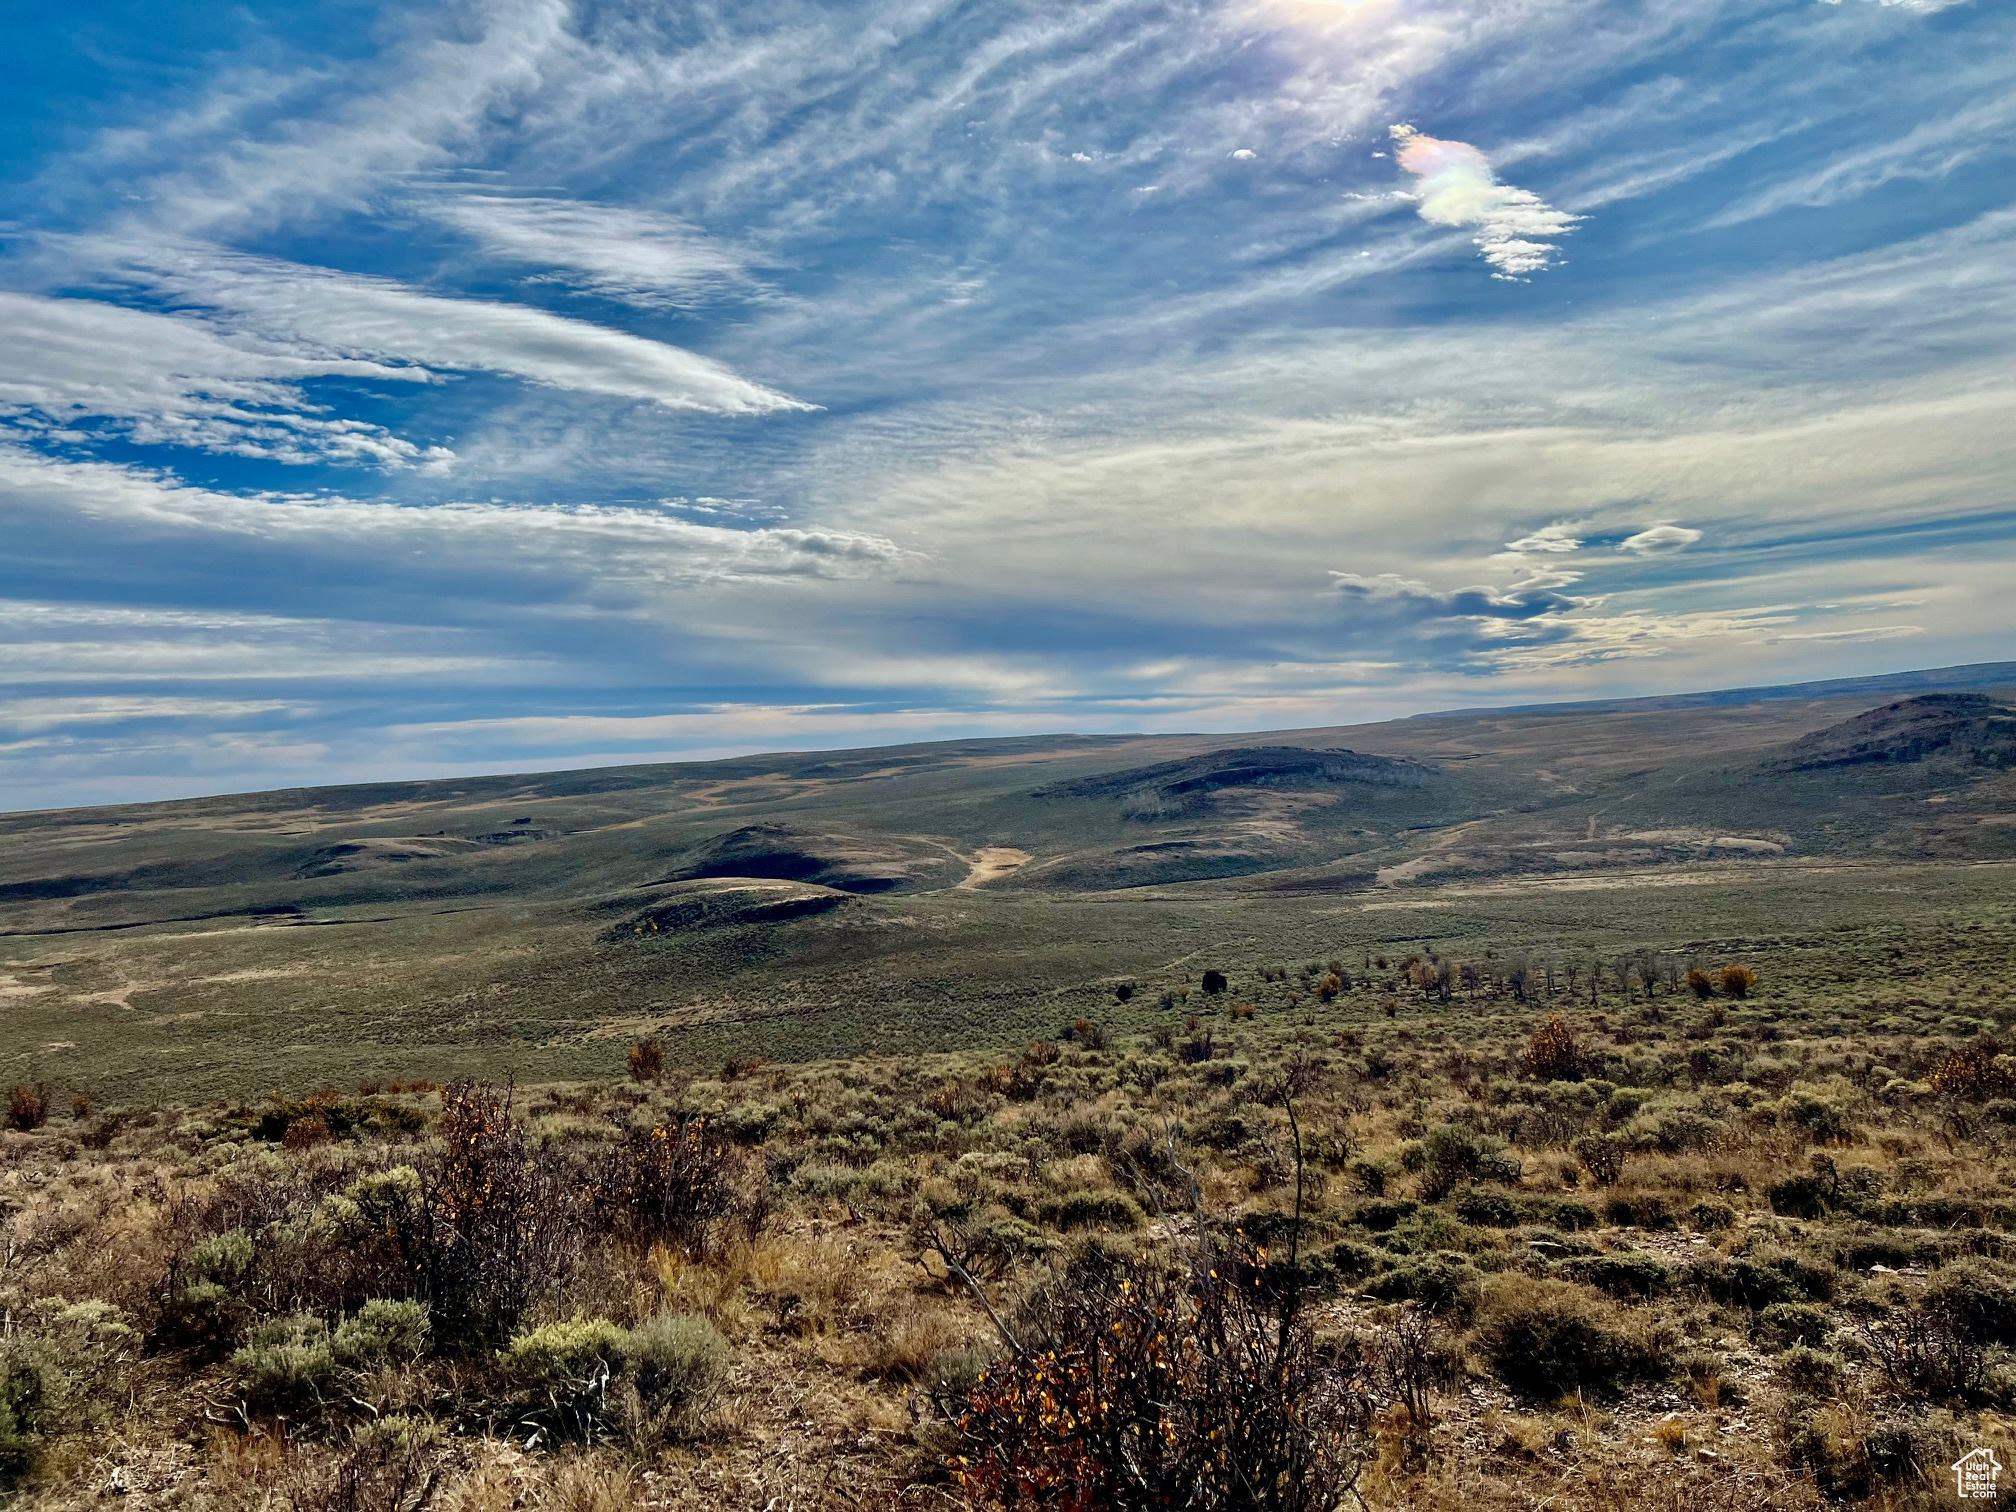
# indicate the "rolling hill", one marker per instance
pixel 945 893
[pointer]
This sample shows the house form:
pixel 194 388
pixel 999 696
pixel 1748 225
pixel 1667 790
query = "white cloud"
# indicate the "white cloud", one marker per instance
pixel 259 148
pixel 1548 539
pixel 636 256
pixel 329 313
pixel 1924 6
pixel 595 544
pixel 1661 539
pixel 53 642
pixel 35 714
pixel 1380 585
pixel 1244 155
pixel 162 379
pixel 1516 229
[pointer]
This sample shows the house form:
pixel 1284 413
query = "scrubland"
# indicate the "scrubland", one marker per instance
pixel 1435 1229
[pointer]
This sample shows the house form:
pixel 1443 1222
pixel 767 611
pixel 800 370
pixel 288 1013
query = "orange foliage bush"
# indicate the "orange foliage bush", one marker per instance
pixel 647 1060
pixel 1553 1054
pixel 1975 1073
pixel 1738 980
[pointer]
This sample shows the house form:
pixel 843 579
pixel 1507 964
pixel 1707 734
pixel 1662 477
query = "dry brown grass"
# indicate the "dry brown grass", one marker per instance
pixel 834 1324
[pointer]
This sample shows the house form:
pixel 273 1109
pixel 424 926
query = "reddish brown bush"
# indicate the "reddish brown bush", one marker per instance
pixel 499 1221
pixel 306 1132
pixel 28 1106
pixel 947 1099
pixel 1140 1385
pixel 1737 981
pixel 1700 983
pixel 678 1184
pixel 1553 1054
pixel 647 1060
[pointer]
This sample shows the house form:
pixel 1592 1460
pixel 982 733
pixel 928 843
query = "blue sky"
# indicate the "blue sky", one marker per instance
pixel 398 390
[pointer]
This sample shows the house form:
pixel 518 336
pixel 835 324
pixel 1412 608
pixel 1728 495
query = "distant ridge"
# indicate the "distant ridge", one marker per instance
pixel 1954 729
pixel 1973 675
pixel 856 761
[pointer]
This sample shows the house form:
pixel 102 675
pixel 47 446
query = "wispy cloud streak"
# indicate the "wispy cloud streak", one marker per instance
pixel 636 256
pixel 382 319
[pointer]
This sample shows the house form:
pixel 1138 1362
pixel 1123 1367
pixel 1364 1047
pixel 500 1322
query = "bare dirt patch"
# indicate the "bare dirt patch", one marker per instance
pixel 993 861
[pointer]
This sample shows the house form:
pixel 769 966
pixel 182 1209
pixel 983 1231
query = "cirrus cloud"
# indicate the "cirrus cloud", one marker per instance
pixel 329 313
pixel 160 379
pixel 639 257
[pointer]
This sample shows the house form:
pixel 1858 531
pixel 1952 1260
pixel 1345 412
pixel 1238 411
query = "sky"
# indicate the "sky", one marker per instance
pixel 399 390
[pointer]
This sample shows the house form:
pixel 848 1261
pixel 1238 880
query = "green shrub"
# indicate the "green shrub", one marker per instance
pixel 1429 1230
pixel 1711 1215
pixel 1626 1274
pixel 559 1354
pixel 225 1258
pixel 205 1309
pixel 1489 1207
pixel 568 1378
pixel 1438 1282
pixel 1756 1281
pixel 1862 1246
pixel 1383 1216
pixel 339 1118
pixel 1802 1196
pixel 1454 1153
pixel 1091 1208
pixel 1812 1372
pixel 203 1317
pixel 1978 1297
pixel 1648 1211
pixel 1821 1119
pixel 1336 1265
pixel 381 1333
pixel 21 1400
pixel 65 1368
pixel 382 1197
pixel 1369 1177
pixel 1545 1339
pixel 1794 1323
pixel 590 1380
pixel 1855 1467
pixel 1602 1156
pixel 677 1362
pixel 1561 1212
pixel 286 1365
